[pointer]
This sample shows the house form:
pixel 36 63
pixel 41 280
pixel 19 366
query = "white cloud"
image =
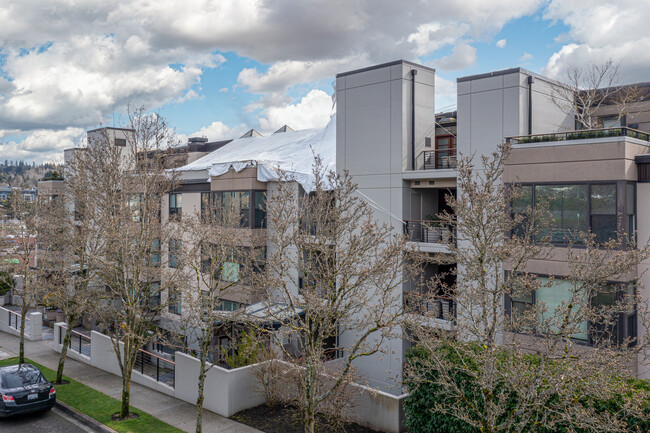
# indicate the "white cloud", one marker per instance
pixel 525 57
pixel 223 90
pixel 79 81
pixel 75 62
pixel 501 43
pixel 462 56
pixel 312 111
pixel 282 75
pixel 219 131
pixel 599 30
pixel 43 145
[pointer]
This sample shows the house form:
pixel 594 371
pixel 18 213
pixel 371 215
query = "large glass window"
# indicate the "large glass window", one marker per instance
pixel 551 300
pixel 568 208
pixel 235 201
pixel 249 205
pixel 554 295
pixel 603 212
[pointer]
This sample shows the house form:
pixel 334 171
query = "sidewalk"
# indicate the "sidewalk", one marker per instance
pixel 168 409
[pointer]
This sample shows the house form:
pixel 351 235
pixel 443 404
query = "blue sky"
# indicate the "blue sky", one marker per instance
pixel 220 68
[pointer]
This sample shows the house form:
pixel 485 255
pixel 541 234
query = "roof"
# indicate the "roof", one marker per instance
pixel 291 153
pixel 272 311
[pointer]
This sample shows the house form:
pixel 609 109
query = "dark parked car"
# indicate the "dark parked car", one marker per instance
pixel 23 388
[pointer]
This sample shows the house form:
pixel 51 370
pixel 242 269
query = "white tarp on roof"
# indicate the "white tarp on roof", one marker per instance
pixel 291 153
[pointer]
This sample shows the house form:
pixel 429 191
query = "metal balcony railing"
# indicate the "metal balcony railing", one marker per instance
pixel 14 321
pixel 79 342
pixel 440 159
pixel 156 367
pixel 437 307
pixel 580 135
pixel 428 231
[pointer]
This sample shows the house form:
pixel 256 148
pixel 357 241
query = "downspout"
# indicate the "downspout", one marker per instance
pixel 414 72
pixel 531 80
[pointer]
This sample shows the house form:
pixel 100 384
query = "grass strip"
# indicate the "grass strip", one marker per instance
pixel 98 405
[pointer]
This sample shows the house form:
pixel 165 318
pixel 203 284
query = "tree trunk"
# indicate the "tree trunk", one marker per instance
pixel 22 339
pixel 64 352
pixel 310 420
pixel 199 398
pixel 126 393
pixel 309 410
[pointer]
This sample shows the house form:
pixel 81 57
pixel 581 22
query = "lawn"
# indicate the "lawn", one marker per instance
pixel 99 406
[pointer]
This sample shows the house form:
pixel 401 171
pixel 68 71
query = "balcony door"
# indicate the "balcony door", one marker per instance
pixel 445 151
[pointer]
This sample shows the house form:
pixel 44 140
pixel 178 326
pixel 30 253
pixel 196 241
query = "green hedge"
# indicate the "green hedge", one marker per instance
pixel 422 417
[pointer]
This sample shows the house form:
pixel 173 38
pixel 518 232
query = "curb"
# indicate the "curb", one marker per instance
pixel 83 418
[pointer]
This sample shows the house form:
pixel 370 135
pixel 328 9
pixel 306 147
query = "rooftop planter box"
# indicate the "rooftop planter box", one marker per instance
pixel 580 135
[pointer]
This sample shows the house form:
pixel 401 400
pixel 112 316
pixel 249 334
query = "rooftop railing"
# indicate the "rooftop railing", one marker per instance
pixel 580 135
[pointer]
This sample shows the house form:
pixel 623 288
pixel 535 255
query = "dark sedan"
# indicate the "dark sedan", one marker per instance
pixel 23 388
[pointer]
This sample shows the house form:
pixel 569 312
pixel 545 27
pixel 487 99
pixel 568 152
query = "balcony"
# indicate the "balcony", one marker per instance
pixel 439 159
pixel 431 232
pixel 436 307
pixel 580 135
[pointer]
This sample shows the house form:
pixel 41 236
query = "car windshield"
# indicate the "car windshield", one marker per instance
pixel 22 377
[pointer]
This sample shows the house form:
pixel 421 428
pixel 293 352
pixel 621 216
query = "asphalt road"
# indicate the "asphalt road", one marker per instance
pixel 53 421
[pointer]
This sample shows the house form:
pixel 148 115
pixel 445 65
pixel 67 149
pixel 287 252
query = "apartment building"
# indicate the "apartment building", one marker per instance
pixel 402 154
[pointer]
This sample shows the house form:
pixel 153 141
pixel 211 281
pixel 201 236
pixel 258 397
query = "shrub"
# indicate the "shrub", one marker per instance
pixel 422 416
pixel 6 282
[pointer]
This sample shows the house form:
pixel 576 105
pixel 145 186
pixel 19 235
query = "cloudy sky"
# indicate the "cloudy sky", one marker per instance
pixel 220 67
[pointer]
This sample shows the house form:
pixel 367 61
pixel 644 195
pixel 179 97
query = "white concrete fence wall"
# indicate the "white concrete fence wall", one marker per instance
pixel 33 324
pixel 227 392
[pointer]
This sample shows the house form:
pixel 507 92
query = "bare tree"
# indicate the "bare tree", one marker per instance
pixel 514 367
pixel 22 227
pixel 216 258
pixel 591 92
pixel 128 183
pixel 334 281
pixel 69 245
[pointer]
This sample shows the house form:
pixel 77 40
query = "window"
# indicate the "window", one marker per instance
pixel 578 208
pixel 175 246
pixel 611 122
pixel 603 212
pixel 235 201
pixel 630 210
pixel 445 151
pixel 260 209
pixel 154 295
pixel 521 205
pixel 225 305
pixel 175 301
pixel 154 258
pixel 568 208
pixel 120 142
pixel 550 296
pixel 175 204
pixel 249 205
pixel 553 296
pixel 205 204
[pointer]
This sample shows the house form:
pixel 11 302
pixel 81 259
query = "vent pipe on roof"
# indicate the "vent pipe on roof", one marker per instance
pixel 414 72
pixel 531 80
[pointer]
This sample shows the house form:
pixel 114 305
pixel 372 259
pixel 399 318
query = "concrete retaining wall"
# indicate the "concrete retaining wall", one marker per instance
pixel 33 328
pixel 230 391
